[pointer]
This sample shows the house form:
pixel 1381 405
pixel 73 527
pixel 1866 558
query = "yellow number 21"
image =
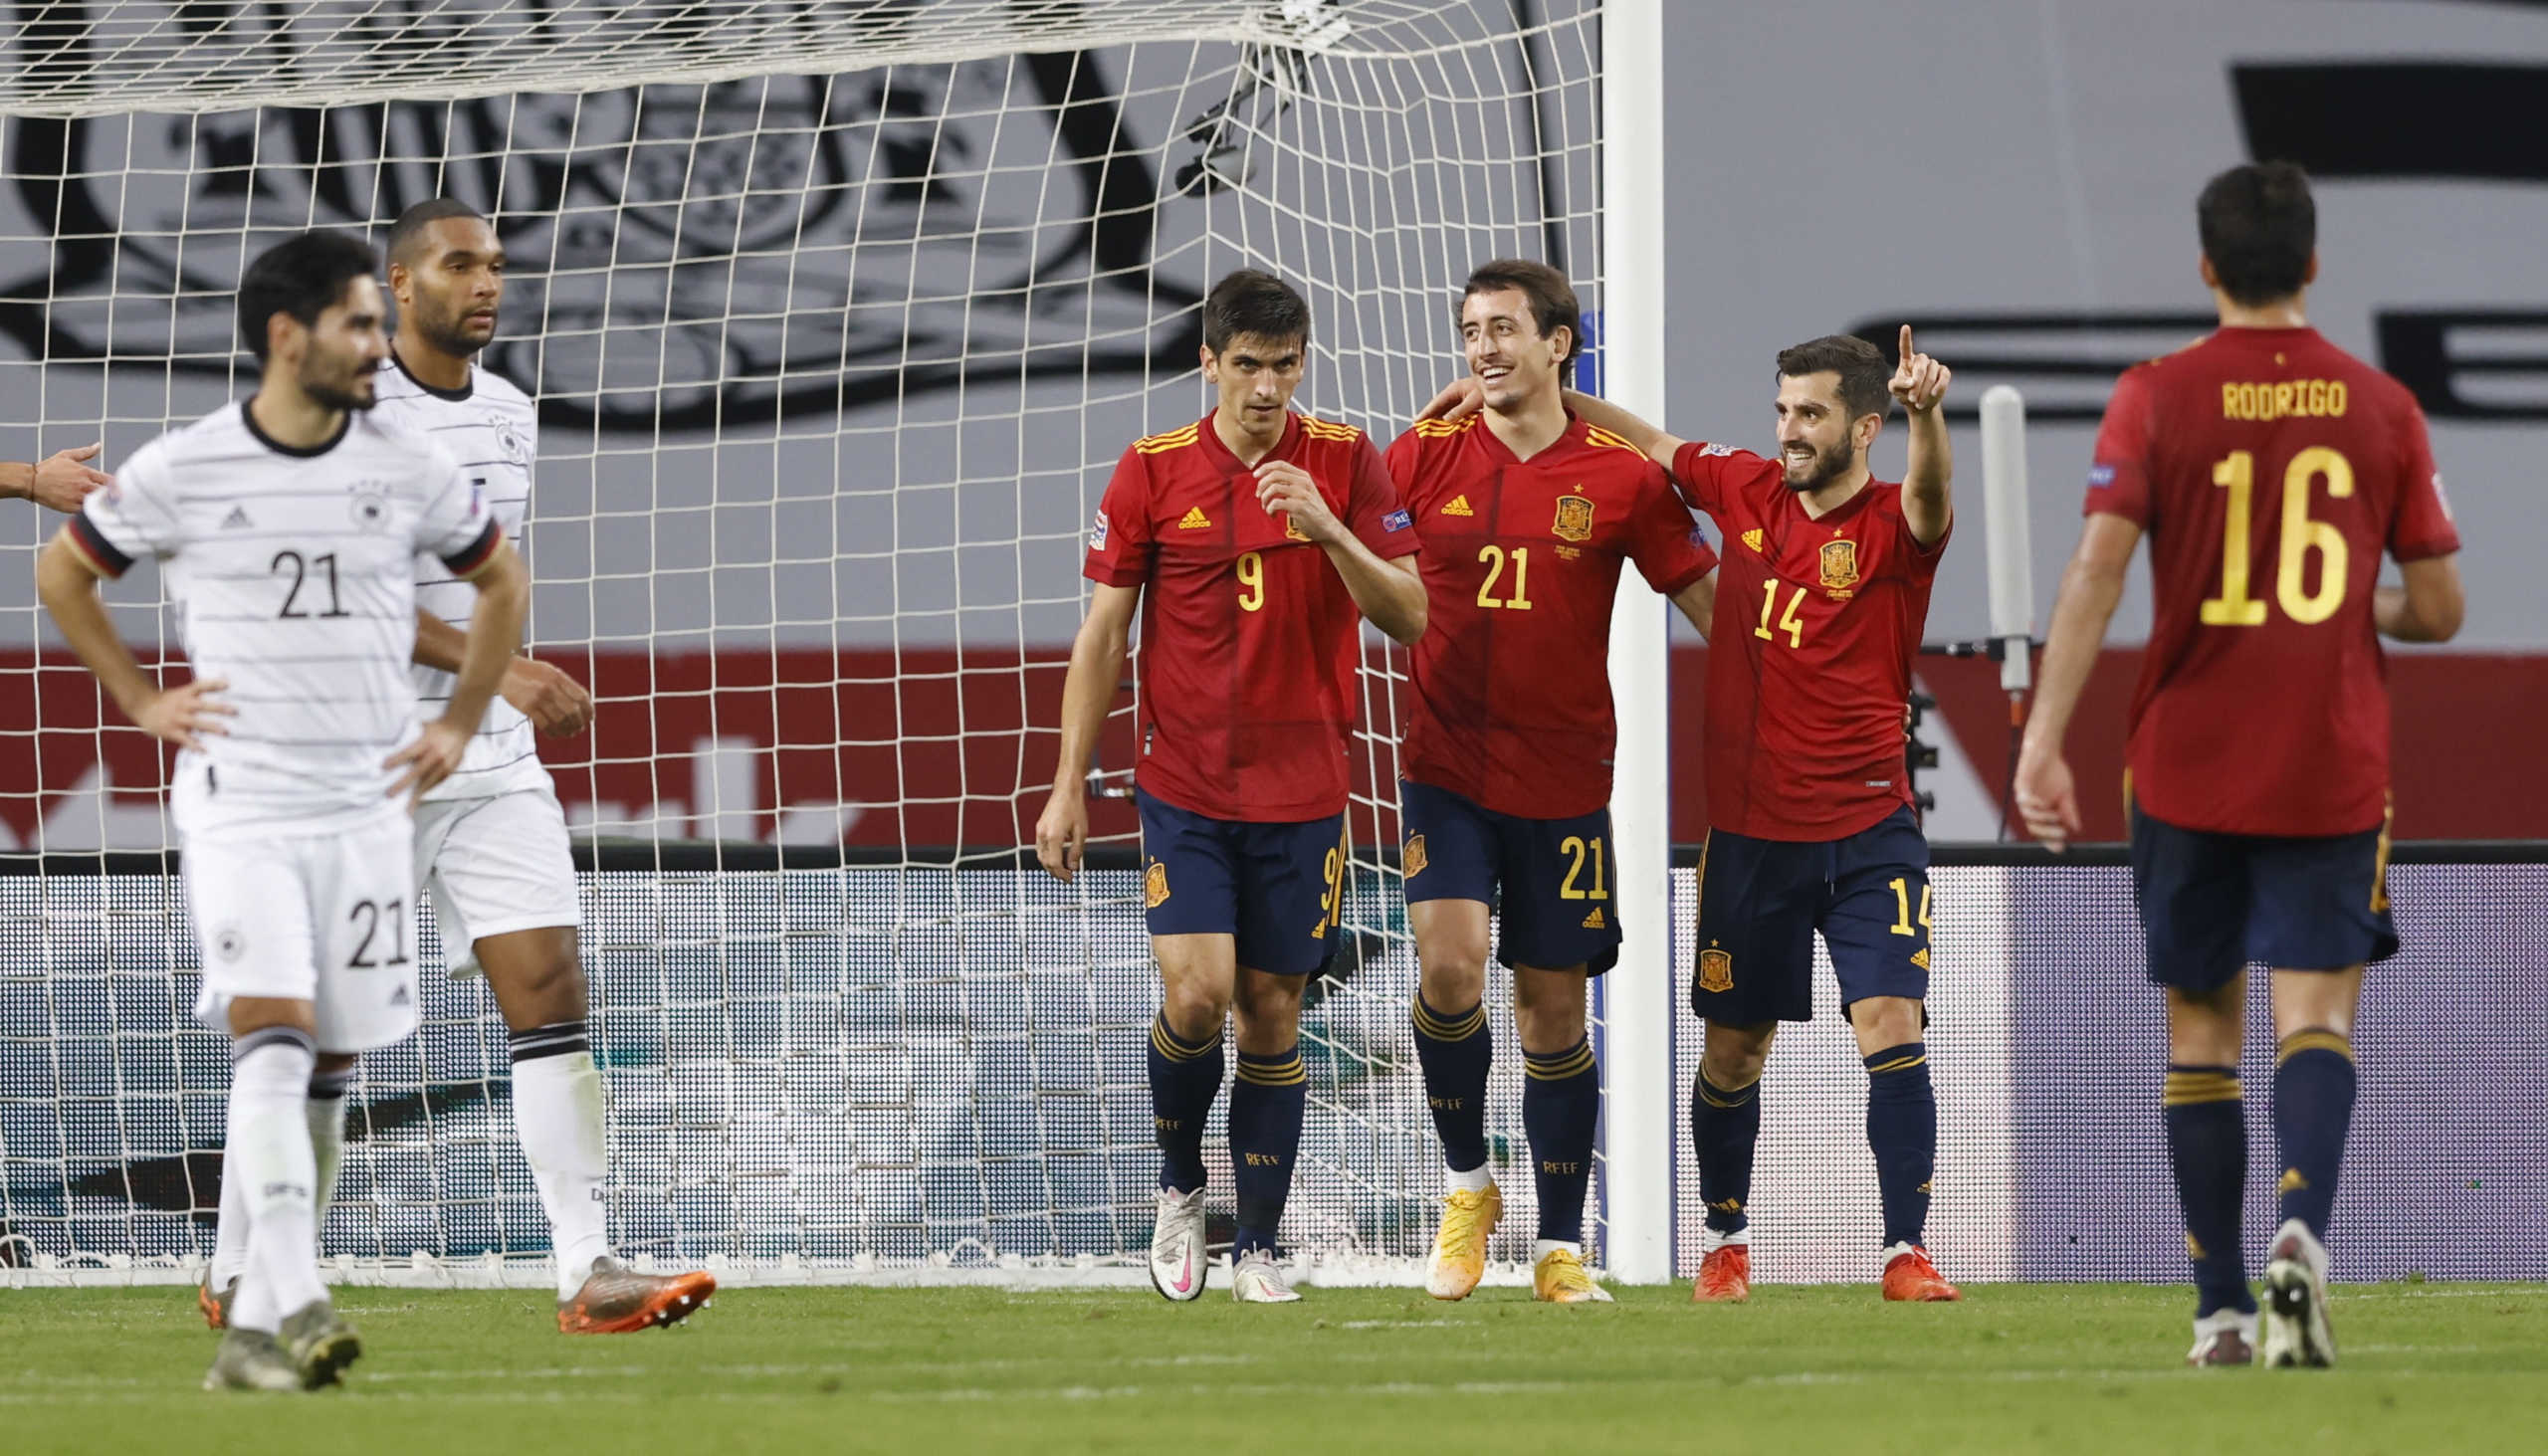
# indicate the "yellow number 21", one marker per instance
pixel 2237 474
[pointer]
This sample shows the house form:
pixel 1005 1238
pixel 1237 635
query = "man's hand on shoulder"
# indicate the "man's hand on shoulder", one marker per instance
pixel 63 480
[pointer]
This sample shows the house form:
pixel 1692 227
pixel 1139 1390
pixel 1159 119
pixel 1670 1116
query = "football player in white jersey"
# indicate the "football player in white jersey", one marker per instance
pixel 288 527
pixel 491 842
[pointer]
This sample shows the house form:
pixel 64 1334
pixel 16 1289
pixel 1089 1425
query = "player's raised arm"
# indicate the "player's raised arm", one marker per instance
pixel 1088 689
pixel 1389 591
pixel 556 704
pixel 1920 383
pixel 59 481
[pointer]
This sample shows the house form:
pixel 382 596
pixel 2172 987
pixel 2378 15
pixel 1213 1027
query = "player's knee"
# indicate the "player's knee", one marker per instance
pixel 1453 977
pixel 1268 1008
pixel 1888 1021
pixel 1194 1010
pixel 1734 1056
pixel 1548 1009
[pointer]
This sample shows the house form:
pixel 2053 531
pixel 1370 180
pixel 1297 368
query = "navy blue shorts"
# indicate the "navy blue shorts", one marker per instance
pixel 2212 902
pixel 1552 877
pixel 1278 889
pixel 1761 901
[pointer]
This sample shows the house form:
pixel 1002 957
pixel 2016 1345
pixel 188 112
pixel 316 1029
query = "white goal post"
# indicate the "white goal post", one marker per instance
pixel 837 314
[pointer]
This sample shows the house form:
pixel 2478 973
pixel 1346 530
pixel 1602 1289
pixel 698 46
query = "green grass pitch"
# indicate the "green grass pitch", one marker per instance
pixel 2065 1368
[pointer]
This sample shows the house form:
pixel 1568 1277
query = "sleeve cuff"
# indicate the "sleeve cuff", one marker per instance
pixel 2424 551
pixel 471 559
pixel 91 542
pixel 1107 575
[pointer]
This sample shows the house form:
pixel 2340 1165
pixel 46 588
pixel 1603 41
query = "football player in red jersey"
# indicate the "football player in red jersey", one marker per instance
pixel 2258 753
pixel 1253 541
pixel 1826 578
pixel 1527 514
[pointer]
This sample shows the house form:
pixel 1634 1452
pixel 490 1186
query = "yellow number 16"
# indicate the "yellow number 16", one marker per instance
pixel 2237 474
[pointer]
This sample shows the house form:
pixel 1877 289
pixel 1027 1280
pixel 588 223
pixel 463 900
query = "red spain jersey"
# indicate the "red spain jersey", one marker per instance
pixel 1521 562
pixel 1809 669
pixel 2270 470
pixel 1248 635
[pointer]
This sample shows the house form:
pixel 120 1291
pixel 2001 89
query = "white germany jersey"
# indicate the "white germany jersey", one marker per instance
pixel 493 430
pixel 293 576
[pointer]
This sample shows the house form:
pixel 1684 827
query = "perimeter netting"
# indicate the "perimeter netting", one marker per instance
pixel 837 317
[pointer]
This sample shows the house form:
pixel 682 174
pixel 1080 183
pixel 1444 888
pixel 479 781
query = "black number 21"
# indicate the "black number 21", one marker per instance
pixel 301 577
pixel 375 918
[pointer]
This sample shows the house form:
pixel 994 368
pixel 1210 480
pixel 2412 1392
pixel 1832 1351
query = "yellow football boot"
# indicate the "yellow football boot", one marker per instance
pixel 1559 1278
pixel 1460 1245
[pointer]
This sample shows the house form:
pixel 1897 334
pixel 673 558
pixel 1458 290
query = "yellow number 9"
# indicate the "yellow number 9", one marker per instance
pixel 1252 581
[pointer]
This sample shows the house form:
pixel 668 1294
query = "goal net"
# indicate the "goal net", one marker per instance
pixel 838 316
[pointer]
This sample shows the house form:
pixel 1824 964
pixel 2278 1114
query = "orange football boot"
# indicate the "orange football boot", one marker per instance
pixel 617 1300
pixel 1725 1276
pixel 1910 1276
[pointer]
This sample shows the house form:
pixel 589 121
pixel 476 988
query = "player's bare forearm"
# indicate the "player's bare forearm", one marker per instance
pixel 2091 585
pixel 495 634
pixel 2428 608
pixel 17 481
pixel 1390 593
pixel 1089 686
pixel 439 644
pixel 1927 503
pixel 69 590
pixel 1658 443
pixel 1697 602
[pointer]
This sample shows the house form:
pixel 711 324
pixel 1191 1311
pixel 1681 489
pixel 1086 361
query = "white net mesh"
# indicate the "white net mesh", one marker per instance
pixel 837 316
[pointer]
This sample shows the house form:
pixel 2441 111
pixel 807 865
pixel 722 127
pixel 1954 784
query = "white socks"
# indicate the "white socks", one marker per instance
pixel 326 1119
pixel 1474 1180
pixel 558 1112
pixel 269 1159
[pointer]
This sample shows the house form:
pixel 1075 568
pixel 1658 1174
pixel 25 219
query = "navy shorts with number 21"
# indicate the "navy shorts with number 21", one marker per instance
pixel 1548 879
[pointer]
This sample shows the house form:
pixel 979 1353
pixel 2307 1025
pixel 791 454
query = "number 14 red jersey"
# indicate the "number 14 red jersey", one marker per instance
pixel 1810 664
pixel 2270 470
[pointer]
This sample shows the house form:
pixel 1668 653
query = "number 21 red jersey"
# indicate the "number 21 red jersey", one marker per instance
pixel 1521 563
pixel 2270 470
pixel 1249 637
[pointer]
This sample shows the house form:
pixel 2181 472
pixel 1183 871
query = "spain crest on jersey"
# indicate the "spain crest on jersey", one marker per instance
pixel 1574 518
pixel 1839 566
pixel 1292 528
pixel 1716 970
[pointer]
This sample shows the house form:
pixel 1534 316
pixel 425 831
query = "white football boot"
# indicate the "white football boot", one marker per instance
pixel 1177 1260
pixel 1258 1280
pixel 2295 1307
pixel 2223 1338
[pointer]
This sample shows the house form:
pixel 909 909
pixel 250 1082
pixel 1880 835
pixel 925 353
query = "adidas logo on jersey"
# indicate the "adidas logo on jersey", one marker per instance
pixel 1459 507
pixel 237 519
pixel 1194 520
pixel 1752 537
pixel 1920 958
pixel 1593 922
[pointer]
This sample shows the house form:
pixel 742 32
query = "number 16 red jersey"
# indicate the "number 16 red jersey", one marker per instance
pixel 2270 469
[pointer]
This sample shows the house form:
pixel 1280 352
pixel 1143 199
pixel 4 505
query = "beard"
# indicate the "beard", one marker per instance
pixel 1829 466
pixel 339 389
pixel 449 333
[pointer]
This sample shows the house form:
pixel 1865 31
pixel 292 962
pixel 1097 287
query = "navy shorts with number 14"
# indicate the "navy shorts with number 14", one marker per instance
pixel 1761 901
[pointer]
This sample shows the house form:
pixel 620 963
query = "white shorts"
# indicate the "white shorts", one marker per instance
pixel 324 918
pixel 495 866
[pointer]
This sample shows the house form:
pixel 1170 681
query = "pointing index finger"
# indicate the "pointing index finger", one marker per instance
pixel 1905 351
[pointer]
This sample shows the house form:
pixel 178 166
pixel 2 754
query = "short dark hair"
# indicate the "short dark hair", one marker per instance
pixel 1865 378
pixel 302 276
pixel 2259 225
pixel 1551 296
pixel 405 233
pixel 1250 301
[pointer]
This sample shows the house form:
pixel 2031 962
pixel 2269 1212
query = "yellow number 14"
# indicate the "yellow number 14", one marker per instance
pixel 1788 619
pixel 1902 904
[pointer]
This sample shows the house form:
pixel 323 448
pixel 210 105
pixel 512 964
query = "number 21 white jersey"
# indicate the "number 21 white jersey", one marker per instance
pixel 293 576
